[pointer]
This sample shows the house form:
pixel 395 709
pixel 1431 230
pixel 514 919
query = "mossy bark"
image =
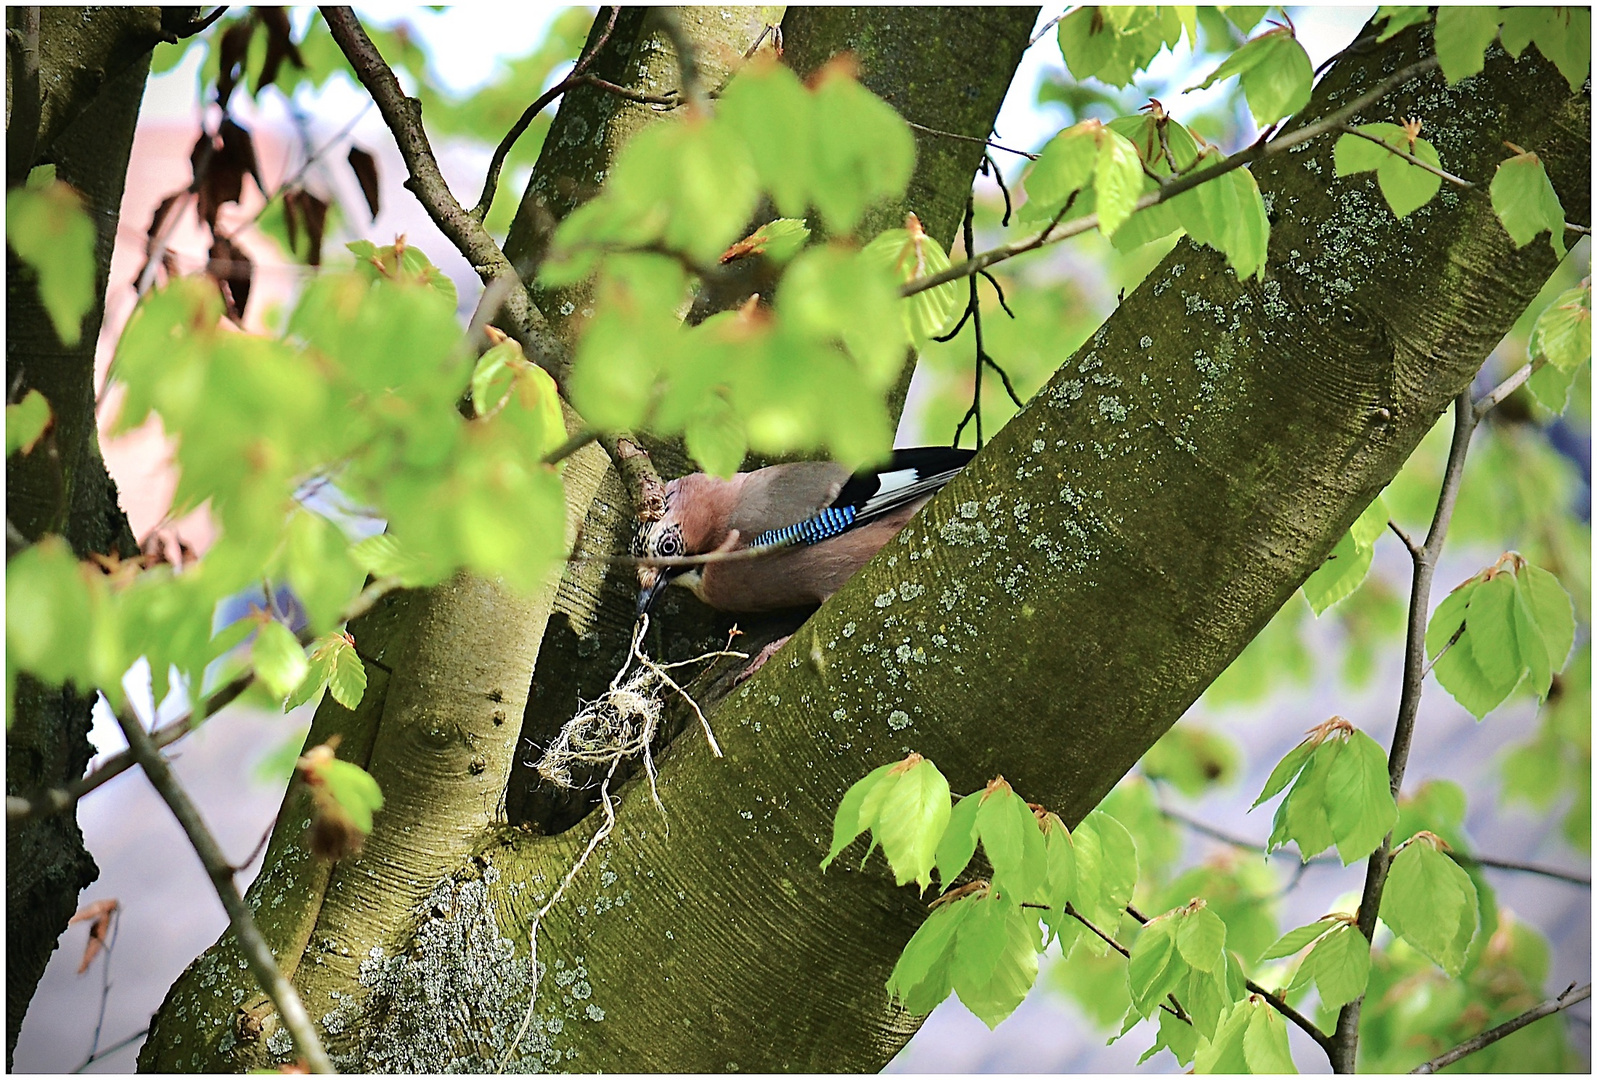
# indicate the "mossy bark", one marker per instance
pixel 1047 617
pixel 92 68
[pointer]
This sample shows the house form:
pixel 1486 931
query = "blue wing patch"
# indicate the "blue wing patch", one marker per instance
pixel 823 526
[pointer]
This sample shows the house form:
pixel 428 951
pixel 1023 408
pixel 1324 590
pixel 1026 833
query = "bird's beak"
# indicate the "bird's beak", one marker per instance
pixel 651 583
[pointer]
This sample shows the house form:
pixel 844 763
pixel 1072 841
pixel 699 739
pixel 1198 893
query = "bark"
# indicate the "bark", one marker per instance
pixel 92 65
pixel 1047 617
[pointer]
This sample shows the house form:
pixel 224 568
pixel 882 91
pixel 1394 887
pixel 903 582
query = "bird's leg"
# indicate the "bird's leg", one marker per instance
pixel 760 658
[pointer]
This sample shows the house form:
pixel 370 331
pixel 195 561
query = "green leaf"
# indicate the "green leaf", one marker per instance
pixel 1294 940
pixel 1155 967
pixel 1462 34
pixel 348 680
pixel 1264 1044
pixel 995 959
pixel 909 254
pixel 25 422
pixel 1106 870
pixel 849 821
pixel 1406 187
pixel 1550 385
pixel 1489 632
pixel 1448 617
pixel 1562 34
pixel 1462 677
pixel 1227 213
pixel 1341 965
pixel 1343 571
pixel 921 979
pixel 1526 203
pixel 1059 884
pixel 50 231
pixel 1224 1052
pixel 1399 18
pixel 355 791
pixel 1301 817
pixel 913 813
pixel 770 111
pixel 1562 332
pixel 1096 44
pixel 491 378
pixel 863 151
pixel 1200 936
pixel 317 673
pixel 716 439
pixel 278 658
pixel 1117 180
pixel 1276 75
pixel 1013 843
pixel 1431 903
pixel 1181 1039
pixel 1358 796
pixel 958 844
pixel 1064 167
pixel 1551 609
pixel 320 568
pixel 1285 770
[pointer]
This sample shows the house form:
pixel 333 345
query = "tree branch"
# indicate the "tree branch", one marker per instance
pixel 403 117
pixel 1464 1049
pixel 1259 150
pixel 1345 1054
pixel 27 105
pixel 256 950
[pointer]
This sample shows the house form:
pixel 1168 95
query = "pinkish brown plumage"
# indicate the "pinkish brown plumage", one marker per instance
pixel 829 523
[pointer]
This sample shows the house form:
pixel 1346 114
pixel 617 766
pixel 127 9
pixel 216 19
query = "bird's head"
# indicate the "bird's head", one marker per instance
pixel 686 528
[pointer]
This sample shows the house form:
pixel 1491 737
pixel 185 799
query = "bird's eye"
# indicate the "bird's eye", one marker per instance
pixel 670 545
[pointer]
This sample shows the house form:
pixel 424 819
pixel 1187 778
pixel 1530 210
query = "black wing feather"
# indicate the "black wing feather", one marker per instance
pixel 929 468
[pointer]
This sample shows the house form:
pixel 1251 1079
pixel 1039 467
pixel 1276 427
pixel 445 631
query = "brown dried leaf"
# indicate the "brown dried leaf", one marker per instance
pixel 233 272
pixel 239 149
pixel 98 915
pixel 157 224
pixel 315 211
pixel 279 45
pixel 365 167
pixel 233 48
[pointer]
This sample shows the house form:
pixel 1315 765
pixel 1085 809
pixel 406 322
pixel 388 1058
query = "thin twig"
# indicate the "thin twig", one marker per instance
pixel 1345 1052
pixel 56 800
pixel 105 978
pixel 1259 149
pixel 1457 181
pixel 113 1048
pixel 1495 396
pixel 256 950
pixel 687 57
pixel 490 183
pixel 1042 32
pixel 1569 997
pixel 1402 534
pixel 1278 1002
pixel 972 139
pixel 1488 861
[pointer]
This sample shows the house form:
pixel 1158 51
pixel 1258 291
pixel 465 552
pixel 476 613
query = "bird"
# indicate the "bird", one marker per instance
pixel 820 522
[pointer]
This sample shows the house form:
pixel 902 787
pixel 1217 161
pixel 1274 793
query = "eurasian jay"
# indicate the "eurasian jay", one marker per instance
pixel 830 522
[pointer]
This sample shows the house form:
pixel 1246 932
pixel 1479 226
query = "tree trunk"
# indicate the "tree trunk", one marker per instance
pixel 92 65
pixel 1047 617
